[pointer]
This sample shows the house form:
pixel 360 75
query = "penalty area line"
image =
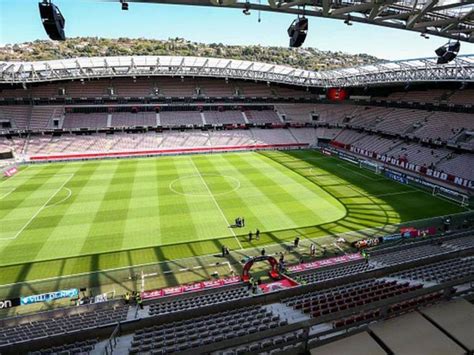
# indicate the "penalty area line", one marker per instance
pixel 103 271
pixel 7 193
pixel 215 202
pixel 40 209
pixel 360 174
pixel 11 177
pixel 64 199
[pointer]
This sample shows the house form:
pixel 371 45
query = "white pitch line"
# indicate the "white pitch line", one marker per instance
pixel 64 199
pixel 338 247
pixel 215 202
pixel 395 193
pixel 414 187
pixel 381 195
pixel 38 212
pixel 7 193
pixel 18 173
pixel 360 174
pixel 193 257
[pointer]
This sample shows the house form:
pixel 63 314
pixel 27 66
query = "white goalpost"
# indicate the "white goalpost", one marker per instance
pixel 374 167
pixel 457 197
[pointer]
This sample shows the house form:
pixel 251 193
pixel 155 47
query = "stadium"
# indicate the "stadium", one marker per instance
pixel 199 205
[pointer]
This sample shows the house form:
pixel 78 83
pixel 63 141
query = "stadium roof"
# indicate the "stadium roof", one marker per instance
pixel 446 18
pixel 415 70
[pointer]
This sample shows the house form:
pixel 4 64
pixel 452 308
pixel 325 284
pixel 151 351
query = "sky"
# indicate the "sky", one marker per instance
pixel 20 22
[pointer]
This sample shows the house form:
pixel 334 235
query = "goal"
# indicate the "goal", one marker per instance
pixel 451 195
pixel 366 164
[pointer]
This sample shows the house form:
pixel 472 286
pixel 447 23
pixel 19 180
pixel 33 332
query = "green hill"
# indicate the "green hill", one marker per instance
pixel 307 58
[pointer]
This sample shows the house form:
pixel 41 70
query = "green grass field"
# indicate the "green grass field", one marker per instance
pixel 73 218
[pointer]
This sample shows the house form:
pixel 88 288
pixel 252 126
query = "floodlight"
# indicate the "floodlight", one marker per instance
pixel 448 52
pixel 298 31
pixel 53 20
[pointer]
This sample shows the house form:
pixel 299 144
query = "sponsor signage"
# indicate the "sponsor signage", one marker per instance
pixel 101 298
pixel 396 176
pixel 326 262
pixel 195 287
pixel 404 164
pixel 391 237
pixel 4 304
pixel 48 297
pixel 277 286
pixel 11 171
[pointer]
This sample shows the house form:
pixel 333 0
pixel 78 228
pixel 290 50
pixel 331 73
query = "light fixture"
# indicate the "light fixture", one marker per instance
pixel 124 5
pixel 53 20
pixel 347 21
pixel 298 31
pixel 448 52
pixel 246 10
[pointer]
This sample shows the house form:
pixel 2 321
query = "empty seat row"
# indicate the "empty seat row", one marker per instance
pixel 79 347
pixel 61 325
pixel 183 335
pixel 198 301
pixel 440 272
pixel 261 346
pixel 411 254
pixel 338 299
pixel 335 273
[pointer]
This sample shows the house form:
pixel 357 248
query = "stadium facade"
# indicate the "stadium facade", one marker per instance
pixel 412 121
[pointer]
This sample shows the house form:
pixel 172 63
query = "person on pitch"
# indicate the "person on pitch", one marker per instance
pixel 257 234
pixel 297 242
pixel 250 236
pixel 312 249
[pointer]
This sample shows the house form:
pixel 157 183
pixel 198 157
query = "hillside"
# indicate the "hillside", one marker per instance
pixel 308 58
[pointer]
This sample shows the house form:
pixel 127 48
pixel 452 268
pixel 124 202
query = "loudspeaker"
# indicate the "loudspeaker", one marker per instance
pixel 448 52
pixel 298 31
pixel 53 20
pixel 440 51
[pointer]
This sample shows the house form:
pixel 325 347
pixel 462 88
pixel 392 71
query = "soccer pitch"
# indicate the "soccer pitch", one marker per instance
pixel 70 218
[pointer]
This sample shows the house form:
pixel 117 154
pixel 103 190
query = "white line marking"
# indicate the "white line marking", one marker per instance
pixel 7 193
pixel 202 256
pixel 395 193
pixel 361 194
pixel 355 172
pixel 64 199
pixel 409 185
pixel 197 267
pixel 439 197
pixel 18 173
pixel 215 202
pixel 338 247
pixel 38 212
pixel 171 185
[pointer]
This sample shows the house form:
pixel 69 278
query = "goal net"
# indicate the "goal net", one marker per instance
pixel 451 195
pixel 374 167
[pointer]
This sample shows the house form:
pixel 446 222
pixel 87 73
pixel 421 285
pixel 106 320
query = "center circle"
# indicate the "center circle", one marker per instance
pixel 204 185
